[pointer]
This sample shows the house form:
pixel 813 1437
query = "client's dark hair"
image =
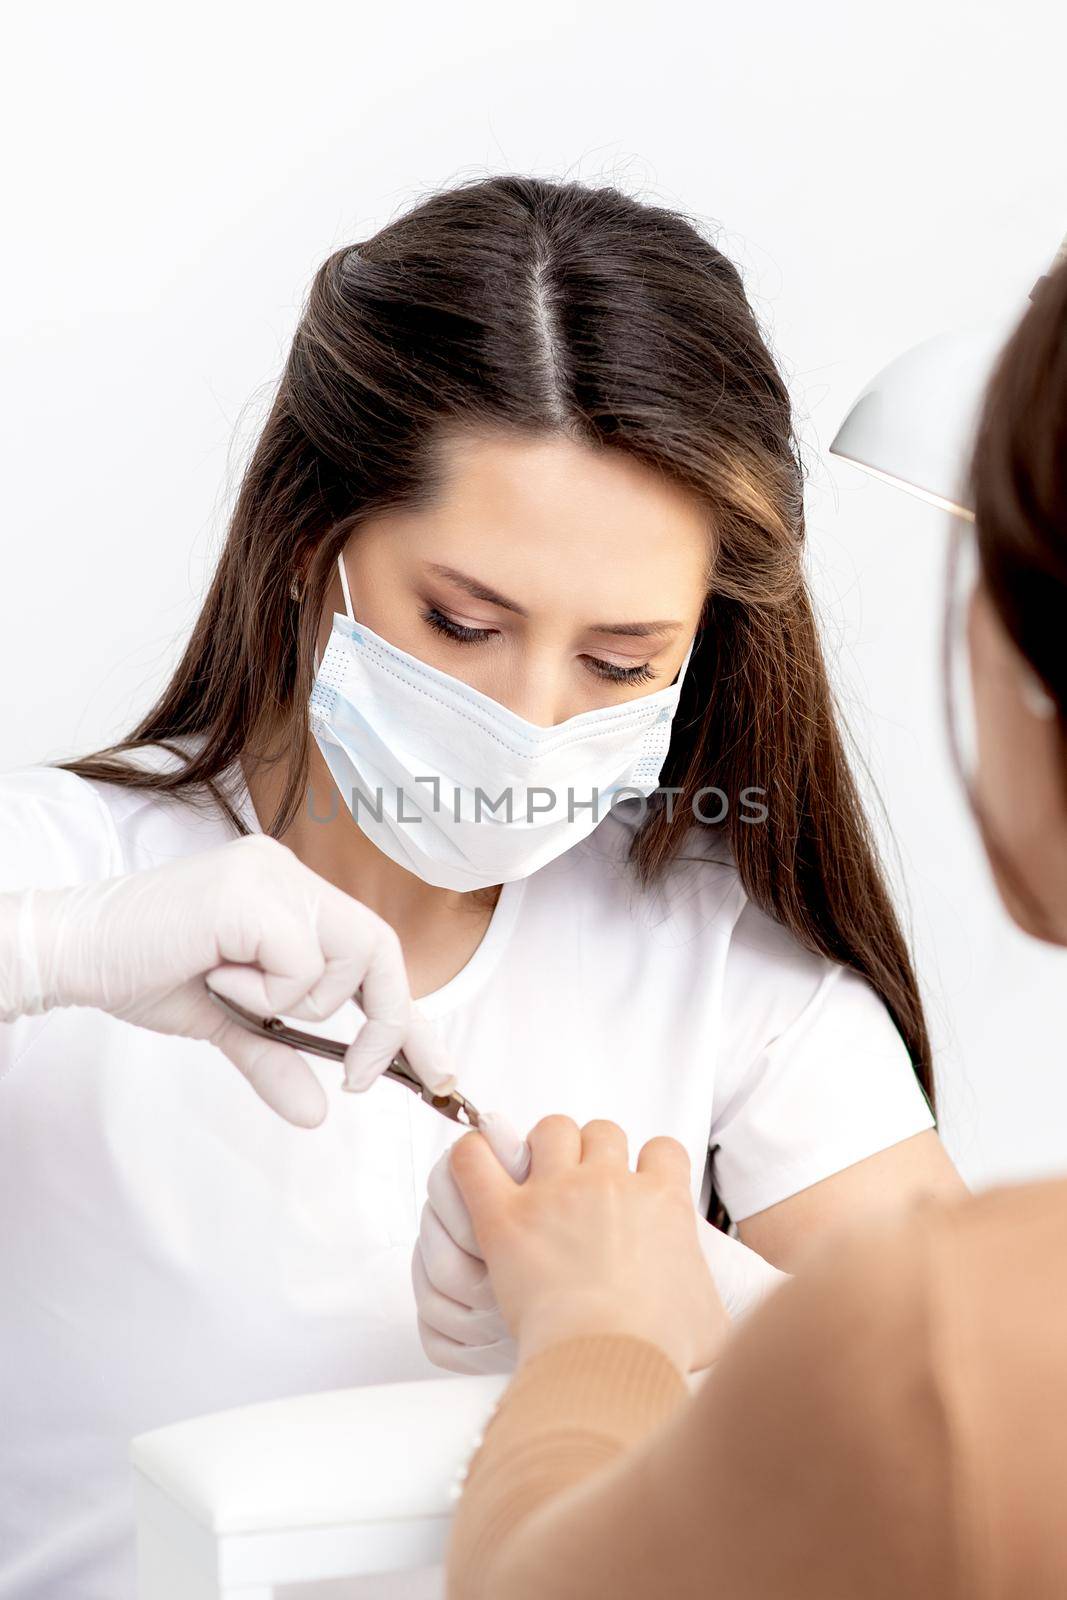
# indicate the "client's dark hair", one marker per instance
pixel 1018 486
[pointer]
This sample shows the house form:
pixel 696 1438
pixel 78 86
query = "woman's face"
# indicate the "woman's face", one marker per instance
pixel 1021 778
pixel 550 576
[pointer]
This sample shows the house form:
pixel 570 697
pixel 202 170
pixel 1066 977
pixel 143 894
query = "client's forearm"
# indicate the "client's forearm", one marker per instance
pixel 569 1414
pixel 822 1455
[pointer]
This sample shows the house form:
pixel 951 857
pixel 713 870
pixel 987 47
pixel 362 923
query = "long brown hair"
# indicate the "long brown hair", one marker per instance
pixel 544 308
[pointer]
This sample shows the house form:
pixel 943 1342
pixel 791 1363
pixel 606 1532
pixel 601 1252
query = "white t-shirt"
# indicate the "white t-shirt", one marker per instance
pixel 170 1246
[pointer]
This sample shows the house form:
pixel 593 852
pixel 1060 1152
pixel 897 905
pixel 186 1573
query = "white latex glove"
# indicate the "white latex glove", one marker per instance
pixel 460 1323
pixel 742 1276
pixel 266 931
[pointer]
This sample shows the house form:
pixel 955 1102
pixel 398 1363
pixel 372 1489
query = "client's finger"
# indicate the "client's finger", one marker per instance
pixel 482 1182
pixel 555 1144
pixel 604 1145
pixel 665 1158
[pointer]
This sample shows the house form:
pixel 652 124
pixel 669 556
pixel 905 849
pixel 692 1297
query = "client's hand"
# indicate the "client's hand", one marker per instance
pixel 459 1321
pixel 585 1246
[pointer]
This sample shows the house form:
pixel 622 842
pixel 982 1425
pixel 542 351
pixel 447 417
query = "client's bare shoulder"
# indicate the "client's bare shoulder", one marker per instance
pixel 1001 1263
pixel 900 1405
pixel 969 1299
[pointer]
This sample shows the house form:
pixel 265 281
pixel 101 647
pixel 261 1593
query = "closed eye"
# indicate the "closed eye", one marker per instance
pixel 455 630
pixel 616 674
pixel 462 634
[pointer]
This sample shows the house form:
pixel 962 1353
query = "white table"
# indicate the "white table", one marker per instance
pixel 239 1504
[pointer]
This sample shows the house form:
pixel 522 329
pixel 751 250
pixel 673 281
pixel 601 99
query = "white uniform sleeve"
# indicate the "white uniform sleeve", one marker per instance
pixel 812 1076
pixel 54 830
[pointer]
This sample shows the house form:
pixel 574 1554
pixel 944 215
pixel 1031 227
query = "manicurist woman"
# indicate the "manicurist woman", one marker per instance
pixel 891 1423
pixel 523 531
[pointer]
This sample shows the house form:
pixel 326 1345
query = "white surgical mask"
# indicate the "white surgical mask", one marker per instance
pixel 452 785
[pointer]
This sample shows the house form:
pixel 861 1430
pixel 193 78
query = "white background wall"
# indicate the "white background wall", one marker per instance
pixel 174 175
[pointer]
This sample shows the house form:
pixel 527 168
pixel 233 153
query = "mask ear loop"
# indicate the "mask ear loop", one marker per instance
pixel 348 599
pixel 344 586
pixel 680 675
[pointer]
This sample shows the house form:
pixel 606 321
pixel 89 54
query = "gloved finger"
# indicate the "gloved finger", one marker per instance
pixel 278 1074
pixel 386 1000
pixel 507 1144
pixel 462 1277
pixel 442 1193
pixel 311 942
pixel 472 1361
pixel 743 1278
pixel 362 956
pixel 347 934
pixel 365 1063
pixel 266 994
pixel 455 1321
pixel 246 986
pixel 427 1054
pixel 270 931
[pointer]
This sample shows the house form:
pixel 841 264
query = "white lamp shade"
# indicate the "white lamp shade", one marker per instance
pixel 915 421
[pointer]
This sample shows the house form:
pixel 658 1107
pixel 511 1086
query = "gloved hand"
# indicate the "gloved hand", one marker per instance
pixel 460 1323
pixel 743 1278
pixel 266 931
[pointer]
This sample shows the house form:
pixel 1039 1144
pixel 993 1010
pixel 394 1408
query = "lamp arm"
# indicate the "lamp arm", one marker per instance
pixel 1058 258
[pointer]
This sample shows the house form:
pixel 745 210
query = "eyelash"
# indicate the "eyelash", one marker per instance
pixel 464 635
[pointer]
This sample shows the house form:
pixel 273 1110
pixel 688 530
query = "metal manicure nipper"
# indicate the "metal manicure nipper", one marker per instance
pixel 455 1106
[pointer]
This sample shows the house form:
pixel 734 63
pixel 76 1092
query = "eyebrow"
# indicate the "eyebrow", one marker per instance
pixel 481 591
